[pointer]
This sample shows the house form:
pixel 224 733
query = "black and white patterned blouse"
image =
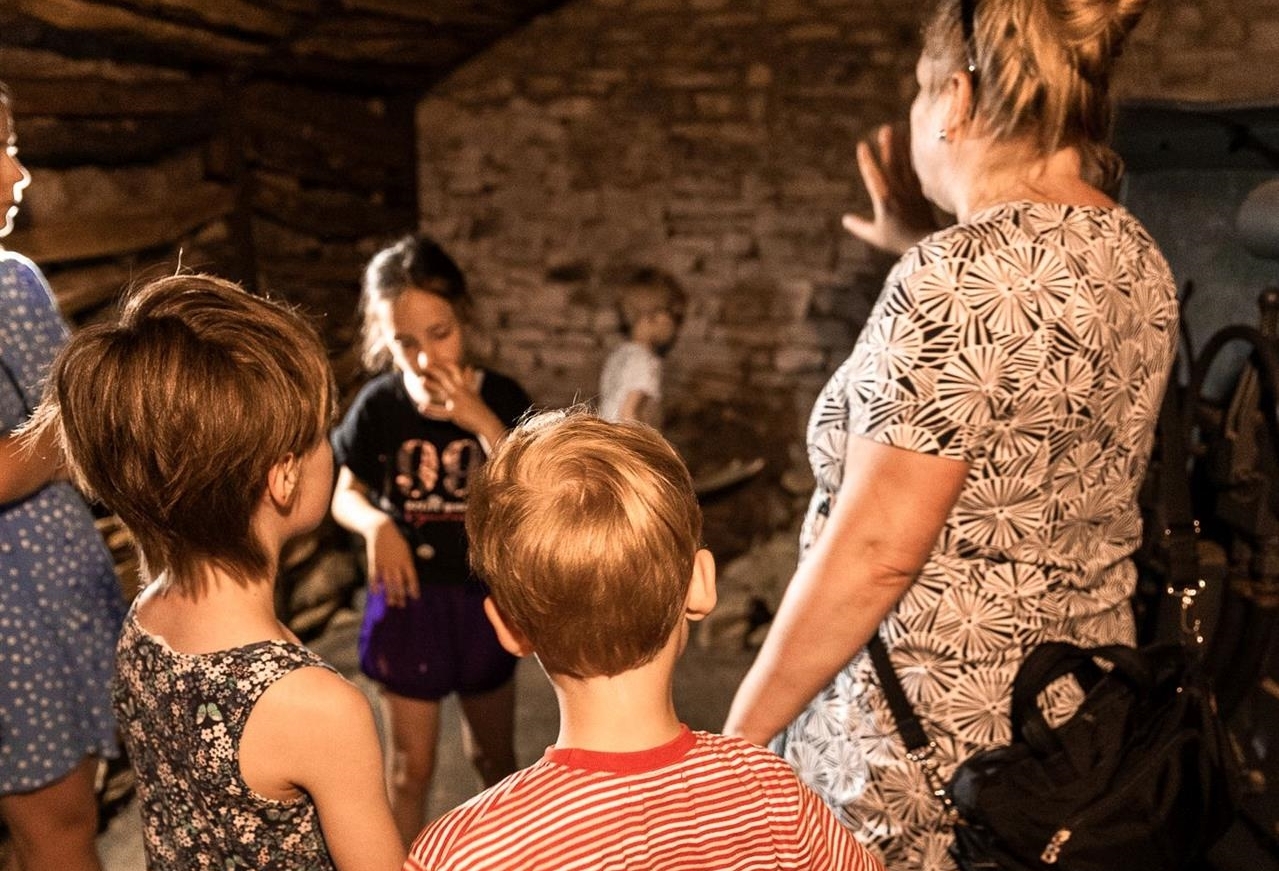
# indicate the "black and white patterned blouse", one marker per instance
pixel 1032 342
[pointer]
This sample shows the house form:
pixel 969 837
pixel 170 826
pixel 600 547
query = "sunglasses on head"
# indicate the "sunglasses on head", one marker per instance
pixel 967 24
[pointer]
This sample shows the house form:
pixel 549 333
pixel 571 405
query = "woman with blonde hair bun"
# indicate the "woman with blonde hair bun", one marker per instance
pixel 978 455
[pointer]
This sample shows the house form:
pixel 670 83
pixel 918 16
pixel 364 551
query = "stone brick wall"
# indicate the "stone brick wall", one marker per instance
pixel 715 139
pixel 1205 50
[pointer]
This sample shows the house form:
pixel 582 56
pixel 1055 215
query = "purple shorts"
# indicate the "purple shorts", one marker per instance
pixel 437 644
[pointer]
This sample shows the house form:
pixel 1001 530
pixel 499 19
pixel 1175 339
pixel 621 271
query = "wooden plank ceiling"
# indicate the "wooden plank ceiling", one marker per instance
pixel 378 44
pixel 271 141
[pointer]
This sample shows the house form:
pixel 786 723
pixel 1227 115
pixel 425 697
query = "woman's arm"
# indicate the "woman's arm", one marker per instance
pixel 389 560
pixel 886 518
pixel 27 464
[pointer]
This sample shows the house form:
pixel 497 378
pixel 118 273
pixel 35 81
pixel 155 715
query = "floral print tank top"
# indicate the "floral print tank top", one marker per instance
pixel 182 716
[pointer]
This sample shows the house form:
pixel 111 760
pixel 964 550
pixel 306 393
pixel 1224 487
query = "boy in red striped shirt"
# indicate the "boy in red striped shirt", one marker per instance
pixel 588 534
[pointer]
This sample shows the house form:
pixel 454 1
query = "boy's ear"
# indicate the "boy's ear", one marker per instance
pixel 513 641
pixel 282 481
pixel 701 597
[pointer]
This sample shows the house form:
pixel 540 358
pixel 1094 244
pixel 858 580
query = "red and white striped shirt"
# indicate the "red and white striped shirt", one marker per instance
pixel 698 803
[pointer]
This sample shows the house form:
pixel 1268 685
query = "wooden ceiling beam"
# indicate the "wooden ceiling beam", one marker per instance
pixel 24 63
pixel 53 142
pixel 369 45
pixel 111 22
pixel 390 42
pixel 117 234
pixel 446 14
pixel 235 15
pixel 326 213
pixel 298 7
pixel 97 97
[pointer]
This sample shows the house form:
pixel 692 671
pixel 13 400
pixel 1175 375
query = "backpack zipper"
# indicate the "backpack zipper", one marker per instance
pixel 1053 850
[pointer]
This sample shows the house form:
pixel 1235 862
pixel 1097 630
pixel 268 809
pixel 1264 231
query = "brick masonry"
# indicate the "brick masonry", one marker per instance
pixel 715 138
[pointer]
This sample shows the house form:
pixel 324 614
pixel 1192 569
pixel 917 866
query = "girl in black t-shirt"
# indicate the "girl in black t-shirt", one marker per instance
pixel 406 450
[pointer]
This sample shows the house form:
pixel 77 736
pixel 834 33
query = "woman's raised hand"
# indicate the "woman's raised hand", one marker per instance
pixel 901 214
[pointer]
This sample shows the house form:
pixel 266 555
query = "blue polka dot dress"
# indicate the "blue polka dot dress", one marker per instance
pixel 60 603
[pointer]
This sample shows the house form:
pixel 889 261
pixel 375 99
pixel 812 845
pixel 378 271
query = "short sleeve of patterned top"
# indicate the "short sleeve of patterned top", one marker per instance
pixel 1032 342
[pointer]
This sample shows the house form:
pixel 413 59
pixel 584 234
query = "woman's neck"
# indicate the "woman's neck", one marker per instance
pixel 1005 173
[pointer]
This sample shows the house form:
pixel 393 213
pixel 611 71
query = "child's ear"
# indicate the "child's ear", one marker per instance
pixel 701 597
pixel 282 481
pixel 513 641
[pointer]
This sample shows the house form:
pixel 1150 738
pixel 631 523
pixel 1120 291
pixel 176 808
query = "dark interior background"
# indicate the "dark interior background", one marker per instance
pixel 550 145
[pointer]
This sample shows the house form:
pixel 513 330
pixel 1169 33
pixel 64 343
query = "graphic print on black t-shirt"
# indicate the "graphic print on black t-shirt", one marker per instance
pixel 433 482
pixel 418 469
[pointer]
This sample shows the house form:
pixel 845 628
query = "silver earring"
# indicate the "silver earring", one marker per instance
pixel 941 134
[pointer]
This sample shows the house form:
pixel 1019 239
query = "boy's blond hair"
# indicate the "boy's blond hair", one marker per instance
pixel 586 532
pixel 174 415
pixel 647 291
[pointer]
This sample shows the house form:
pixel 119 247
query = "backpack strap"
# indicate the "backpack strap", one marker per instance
pixel 908 722
pixel 919 748
pixel 1181 527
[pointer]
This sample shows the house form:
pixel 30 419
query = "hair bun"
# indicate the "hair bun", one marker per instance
pixel 1094 31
